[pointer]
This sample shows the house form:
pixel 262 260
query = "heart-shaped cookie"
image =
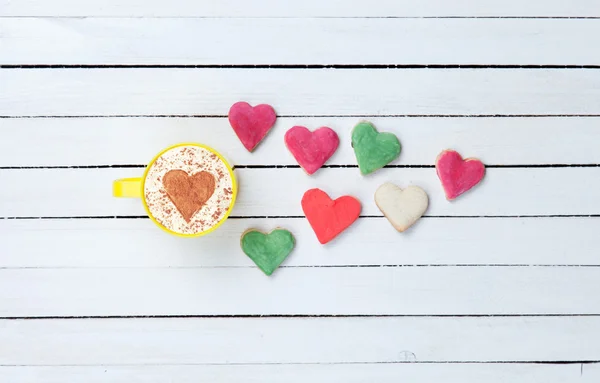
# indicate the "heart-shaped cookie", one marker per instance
pixel 373 150
pixel 251 124
pixel 458 175
pixel 401 207
pixel 311 149
pixel 268 251
pixel 328 217
pixel 188 192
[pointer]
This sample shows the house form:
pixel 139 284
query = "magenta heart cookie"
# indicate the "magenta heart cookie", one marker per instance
pixel 311 149
pixel 458 175
pixel 251 124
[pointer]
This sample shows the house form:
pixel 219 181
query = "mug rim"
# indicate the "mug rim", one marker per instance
pixel 233 189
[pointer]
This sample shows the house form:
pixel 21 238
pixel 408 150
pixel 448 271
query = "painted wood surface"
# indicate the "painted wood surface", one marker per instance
pixel 308 92
pixel 327 341
pixel 355 373
pixel 133 243
pixel 500 285
pixel 309 8
pixel 332 291
pixel 135 141
pixel 373 41
pixel 278 191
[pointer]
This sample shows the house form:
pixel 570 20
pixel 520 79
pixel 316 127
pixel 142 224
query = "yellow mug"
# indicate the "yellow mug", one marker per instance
pixel 187 190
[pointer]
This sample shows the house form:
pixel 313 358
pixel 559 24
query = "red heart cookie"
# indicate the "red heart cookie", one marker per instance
pixel 188 193
pixel 458 175
pixel 311 149
pixel 328 217
pixel 251 124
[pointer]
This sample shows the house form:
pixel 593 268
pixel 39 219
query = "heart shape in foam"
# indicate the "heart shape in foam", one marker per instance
pixel 402 207
pixel 311 149
pixel 188 193
pixel 268 251
pixel 458 175
pixel 251 124
pixel 328 217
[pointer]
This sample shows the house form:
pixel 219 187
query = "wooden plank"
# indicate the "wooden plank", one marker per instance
pixel 298 92
pixel 201 41
pixel 316 373
pixel 114 141
pixel 309 8
pixel 138 243
pixel 590 372
pixel 278 191
pixel 300 341
pixel 310 291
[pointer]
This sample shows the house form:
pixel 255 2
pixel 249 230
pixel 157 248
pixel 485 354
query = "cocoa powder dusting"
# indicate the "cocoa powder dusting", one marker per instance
pixel 179 203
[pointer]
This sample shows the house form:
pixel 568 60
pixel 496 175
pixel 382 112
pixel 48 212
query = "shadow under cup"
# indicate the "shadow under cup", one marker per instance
pixel 188 189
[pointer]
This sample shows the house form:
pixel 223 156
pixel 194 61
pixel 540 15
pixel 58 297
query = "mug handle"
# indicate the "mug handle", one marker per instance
pixel 128 188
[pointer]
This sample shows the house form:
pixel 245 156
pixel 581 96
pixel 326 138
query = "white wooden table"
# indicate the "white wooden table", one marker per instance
pixel 500 286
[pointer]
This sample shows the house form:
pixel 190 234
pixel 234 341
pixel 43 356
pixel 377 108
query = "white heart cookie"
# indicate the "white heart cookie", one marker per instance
pixel 401 207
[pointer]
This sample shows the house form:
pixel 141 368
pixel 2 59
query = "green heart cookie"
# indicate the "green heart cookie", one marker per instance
pixel 267 250
pixel 373 150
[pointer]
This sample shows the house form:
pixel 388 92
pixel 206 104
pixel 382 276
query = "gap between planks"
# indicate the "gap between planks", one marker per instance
pixel 301 216
pixel 158 17
pixel 309 116
pixel 589 361
pixel 333 166
pixel 299 66
pixel 292 316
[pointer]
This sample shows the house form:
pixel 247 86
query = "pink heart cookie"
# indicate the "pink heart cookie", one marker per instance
pixel 311 149
pixel 458 175
pixel 251 124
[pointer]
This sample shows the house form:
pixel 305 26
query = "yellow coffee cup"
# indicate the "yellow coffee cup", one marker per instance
pixel 187 190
